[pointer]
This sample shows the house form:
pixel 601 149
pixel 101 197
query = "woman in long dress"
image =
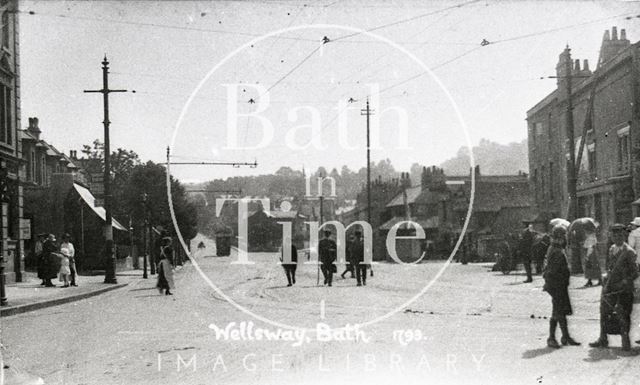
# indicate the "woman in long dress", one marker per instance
pixel 556 282
pixel 165 270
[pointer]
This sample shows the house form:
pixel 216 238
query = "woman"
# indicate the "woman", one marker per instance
pixel 165 270
pixel 51 260
pixel 556 282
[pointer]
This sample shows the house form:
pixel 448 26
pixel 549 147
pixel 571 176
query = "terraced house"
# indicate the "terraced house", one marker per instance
pixel 606 119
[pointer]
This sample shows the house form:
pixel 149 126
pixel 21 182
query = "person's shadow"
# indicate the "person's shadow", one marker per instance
pixel 533 353
pixel 598 354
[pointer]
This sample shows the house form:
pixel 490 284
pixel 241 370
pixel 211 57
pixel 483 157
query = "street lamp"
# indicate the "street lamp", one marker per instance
pixel 144 236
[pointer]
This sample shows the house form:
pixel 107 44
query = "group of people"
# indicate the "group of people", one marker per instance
pixel 327 251
pixel 56 260
pixel 616 300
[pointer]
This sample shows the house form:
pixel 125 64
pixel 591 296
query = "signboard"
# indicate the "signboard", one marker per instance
pixel 97 186
pixel 25 228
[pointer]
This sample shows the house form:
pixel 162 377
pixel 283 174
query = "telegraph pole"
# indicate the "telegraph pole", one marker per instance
pixel 110 258
pixel 572 179
pixel 368 112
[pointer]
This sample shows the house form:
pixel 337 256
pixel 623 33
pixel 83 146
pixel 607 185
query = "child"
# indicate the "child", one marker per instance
pixel 65 270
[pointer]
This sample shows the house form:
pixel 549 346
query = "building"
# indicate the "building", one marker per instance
pixel 440 205
pixel 606 119
pixel 11 223
pixel 57 200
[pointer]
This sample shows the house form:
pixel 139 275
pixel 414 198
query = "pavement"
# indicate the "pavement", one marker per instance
pixel 30 295
pixel 472 326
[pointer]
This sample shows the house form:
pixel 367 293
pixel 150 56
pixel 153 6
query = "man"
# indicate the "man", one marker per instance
pixel 290 267
pixel 617 292
pixel 40 258
pixel 634 238
pixel 327 249
pixel 67 249
pixel 357 250
pixel 524 250
pixel 350 263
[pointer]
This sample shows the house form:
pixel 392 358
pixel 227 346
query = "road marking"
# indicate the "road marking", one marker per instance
pixel 322 315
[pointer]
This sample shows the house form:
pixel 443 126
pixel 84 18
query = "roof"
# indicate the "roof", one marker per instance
pixel 491 197
pixel 429 223
pixel 412 195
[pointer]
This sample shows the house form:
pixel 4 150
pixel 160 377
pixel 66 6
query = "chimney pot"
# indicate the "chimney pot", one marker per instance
pixel 614 33
pixel 623 34
pixel 585 65
pixel 577 65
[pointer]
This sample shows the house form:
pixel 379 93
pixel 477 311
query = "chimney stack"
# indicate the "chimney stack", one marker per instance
pixel 612 46
pixel 576 67
pixel 33 128
pixel 585 66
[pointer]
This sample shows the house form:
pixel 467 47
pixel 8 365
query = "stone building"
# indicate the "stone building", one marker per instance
pixel 606 126
pixel 11 221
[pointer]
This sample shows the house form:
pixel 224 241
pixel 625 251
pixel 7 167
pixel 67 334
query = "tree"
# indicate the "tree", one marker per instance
pixel 122 163
pixel 150 179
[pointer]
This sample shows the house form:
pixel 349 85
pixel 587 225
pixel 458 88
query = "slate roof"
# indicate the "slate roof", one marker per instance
pixel 412 195
pixel 492 196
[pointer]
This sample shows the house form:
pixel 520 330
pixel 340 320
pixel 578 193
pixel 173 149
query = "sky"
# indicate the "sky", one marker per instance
pixel 289 98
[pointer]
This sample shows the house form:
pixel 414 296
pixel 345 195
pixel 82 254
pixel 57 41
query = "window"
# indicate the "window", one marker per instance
pixel 32 165
pixel 5 29
pixel 43 170
pixel 591 159
pixel 623 149
pixel 6 134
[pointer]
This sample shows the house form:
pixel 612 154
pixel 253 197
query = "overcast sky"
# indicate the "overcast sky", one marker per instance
pixel 163 50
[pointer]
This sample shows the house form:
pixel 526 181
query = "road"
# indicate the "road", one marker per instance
pixel 476 327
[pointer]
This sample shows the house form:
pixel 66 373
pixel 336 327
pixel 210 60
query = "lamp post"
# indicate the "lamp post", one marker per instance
pixel 144 236
pixel 3 198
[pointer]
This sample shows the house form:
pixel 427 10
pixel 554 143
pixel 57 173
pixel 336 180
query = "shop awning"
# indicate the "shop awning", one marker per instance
pixel 90 200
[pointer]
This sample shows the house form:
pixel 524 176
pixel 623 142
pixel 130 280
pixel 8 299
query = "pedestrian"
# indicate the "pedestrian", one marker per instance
pixel 616 300
pixel 40 257
pixel 327 249
pixel 524 250
pixel 350 265
pixel 165 270
pixel 634 238
pixel 64 272
pixel 556 282
pixel 51 260
pixel 66 248
pixel 591 263
pixel 357 249
pixel 289 267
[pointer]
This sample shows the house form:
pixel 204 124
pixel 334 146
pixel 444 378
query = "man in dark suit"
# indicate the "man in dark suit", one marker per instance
pixel 350 268
pixel 357 252
pixel 327 249
pixel 290 267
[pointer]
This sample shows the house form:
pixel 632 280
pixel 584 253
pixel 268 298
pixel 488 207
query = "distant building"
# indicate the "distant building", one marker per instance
pixel 609 171
pixel 441 204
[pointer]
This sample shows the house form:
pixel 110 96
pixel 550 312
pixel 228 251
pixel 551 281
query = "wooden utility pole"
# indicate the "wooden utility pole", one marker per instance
pixel 109 250
pixel 368 112
pixel 572 179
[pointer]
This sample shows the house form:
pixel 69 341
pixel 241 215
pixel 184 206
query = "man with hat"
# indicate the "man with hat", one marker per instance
pixel 617 292
pixel 634 237
pixel 327 249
